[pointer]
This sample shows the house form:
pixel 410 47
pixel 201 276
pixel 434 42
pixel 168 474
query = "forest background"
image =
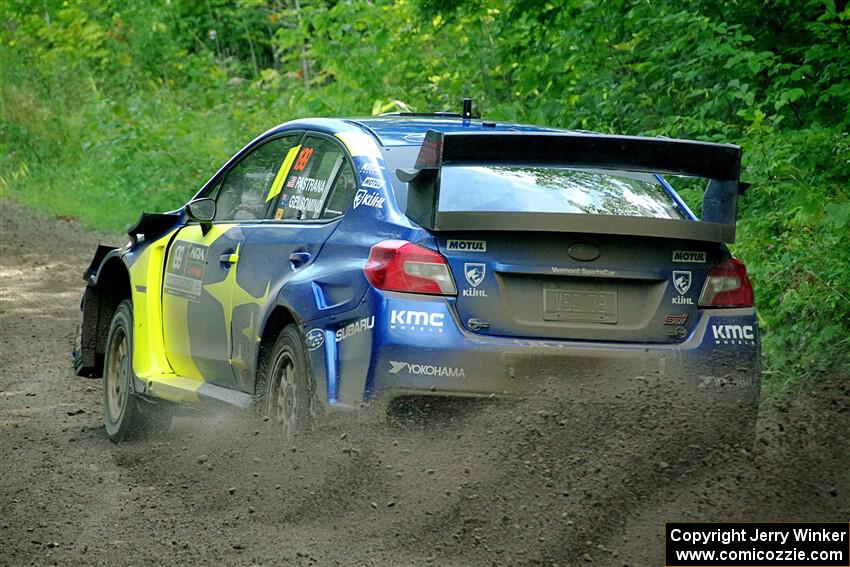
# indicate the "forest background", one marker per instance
pixel 111 107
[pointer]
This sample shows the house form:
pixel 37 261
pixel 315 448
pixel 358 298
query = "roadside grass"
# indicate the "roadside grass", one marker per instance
pixel 78 153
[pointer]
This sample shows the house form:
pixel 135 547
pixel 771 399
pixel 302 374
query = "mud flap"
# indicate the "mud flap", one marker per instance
pixel 85 357
pixel 87 362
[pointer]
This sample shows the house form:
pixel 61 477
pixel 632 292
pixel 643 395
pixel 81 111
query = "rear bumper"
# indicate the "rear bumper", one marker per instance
pixel 473 365
pixel 417 346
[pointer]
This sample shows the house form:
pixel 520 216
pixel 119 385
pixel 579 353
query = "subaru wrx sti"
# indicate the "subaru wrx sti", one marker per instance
pixel 333 262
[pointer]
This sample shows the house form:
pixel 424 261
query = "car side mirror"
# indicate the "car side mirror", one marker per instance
pixel 202 211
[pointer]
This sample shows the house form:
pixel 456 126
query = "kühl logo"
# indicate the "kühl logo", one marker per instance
pixel 474 273
pixel 363 197
pixel 682 281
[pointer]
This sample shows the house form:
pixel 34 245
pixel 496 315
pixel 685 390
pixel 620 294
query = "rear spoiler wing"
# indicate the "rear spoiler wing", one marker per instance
pixel 719 163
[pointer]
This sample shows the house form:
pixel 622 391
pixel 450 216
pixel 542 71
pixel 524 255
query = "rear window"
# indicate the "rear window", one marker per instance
pixel 554 190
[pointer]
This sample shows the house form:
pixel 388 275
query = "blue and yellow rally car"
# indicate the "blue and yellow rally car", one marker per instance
pixel 333 262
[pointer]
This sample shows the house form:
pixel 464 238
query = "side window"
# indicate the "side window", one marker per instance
pixel 311 180
pixel 342 192
pixel 242 193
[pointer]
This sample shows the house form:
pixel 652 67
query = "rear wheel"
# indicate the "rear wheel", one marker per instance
pixel 285 389
pixel 123 413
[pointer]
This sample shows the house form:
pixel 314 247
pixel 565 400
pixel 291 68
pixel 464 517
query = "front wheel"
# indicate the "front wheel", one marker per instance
pixel 285 388
pixel 122 414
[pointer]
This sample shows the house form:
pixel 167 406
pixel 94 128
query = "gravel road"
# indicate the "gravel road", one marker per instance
pixel 557 481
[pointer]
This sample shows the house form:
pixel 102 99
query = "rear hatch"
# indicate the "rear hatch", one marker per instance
pixel 571 286
pixel 574 236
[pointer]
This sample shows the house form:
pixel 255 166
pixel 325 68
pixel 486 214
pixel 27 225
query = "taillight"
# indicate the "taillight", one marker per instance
pixel 398 265
pixel 727 285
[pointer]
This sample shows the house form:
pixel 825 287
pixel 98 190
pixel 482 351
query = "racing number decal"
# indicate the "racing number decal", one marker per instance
pixel 300 163
pixel 184 272
pixel 303 159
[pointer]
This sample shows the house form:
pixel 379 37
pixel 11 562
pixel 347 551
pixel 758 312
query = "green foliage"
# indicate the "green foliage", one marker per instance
pixel 110 107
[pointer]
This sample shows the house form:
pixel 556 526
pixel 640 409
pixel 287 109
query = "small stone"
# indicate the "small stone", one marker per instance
pixel 265 418
pixel 344 435
pixel 231 490
pixel 203 458
pixel 374 505
pixel 390 504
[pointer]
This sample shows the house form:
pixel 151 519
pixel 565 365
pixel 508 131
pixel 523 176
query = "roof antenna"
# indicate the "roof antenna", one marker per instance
pixel 467 109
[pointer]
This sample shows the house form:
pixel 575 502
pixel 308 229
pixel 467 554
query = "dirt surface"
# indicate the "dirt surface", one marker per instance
pixel 554 480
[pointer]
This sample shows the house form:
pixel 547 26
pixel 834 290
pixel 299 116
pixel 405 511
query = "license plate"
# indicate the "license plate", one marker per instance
pixel 562 304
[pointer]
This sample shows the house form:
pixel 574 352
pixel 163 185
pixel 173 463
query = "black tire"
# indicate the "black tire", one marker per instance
pixel 123 413
pixel 285 390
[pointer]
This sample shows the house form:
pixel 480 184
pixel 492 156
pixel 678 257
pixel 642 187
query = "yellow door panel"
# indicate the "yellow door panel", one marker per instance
pixel 146 285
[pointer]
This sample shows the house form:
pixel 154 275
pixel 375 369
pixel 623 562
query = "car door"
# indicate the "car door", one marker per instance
pixel 318 189
pixel 201 266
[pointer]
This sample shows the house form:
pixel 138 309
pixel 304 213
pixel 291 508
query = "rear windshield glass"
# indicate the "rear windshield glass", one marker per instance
pixel 554 190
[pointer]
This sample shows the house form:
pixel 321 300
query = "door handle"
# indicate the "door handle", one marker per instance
pixel 231 258
pixel 297 259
